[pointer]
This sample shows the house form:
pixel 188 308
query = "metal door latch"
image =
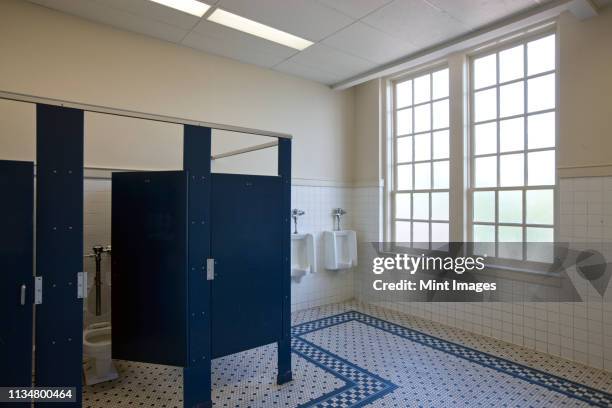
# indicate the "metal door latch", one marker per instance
pixel 23 294
pixel 38 290
pixel 81 285
pixel 210 269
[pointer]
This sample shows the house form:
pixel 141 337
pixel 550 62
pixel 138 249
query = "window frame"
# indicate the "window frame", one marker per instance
pixel 392 146
pixel 523 39
pixel 461 137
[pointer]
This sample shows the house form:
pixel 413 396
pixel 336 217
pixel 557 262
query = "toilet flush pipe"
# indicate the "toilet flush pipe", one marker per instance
pixel 98 250
pixel 98 281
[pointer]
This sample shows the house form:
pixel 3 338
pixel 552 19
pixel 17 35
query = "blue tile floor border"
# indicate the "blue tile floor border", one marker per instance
pixel 363 387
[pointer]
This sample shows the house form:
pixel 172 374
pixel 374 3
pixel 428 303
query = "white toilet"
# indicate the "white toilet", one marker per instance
pixel 97 347
pixel 98 365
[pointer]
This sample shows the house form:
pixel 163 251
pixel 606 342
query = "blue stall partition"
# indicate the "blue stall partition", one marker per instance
pixel 246 246
pixel 196 161
pixel 284 343
pixel 200 265
pixel 240 298
pixel 59 249
pixel 149 267
pixel 16 279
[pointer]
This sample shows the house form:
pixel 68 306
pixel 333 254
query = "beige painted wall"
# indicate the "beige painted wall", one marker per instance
pixel 585 103
pixel 261 162
pixel 51 54
pixel 114 142
pixel 367 148
pixel 134 144
pixel 17 130
pixel 585 92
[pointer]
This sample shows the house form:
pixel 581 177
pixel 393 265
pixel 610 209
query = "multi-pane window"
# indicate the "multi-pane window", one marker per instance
pixel 513 145
pixel 421 158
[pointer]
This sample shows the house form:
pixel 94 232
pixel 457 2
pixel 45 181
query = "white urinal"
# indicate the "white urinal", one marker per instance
pixel 340 249
pixel 303 256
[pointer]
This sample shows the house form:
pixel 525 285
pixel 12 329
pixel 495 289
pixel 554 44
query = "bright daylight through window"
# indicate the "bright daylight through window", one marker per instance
pixel 513 146
pixel 421 158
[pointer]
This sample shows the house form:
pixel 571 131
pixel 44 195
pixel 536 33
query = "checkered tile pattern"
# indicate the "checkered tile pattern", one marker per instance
pixel 362 386
pixel 569 388
pixel 352 355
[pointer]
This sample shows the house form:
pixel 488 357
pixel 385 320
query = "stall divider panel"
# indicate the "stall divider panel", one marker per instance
pixel 196 161
pixel 284 344
pixel 16 278
pixel 59 249
pixel 246 238
pixel 149 267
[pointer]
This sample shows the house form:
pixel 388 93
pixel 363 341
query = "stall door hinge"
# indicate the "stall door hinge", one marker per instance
pixel 38 290
pixel 210 269
pixel 81 285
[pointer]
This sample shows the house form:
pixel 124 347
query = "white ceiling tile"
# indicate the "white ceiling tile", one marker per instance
pixel 322 57
pixel 216 39
pixel 386 30
pixel 305 18
pixel 154 11
pixel 369 43
pixel 94 11
pixel 355 8
pixel 477 13
pixel 416 21
pixel 240 39
pixel 303 71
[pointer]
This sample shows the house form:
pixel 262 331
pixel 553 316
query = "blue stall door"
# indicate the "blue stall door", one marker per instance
pixel 246 243
pixel 16 260
pixel 149 267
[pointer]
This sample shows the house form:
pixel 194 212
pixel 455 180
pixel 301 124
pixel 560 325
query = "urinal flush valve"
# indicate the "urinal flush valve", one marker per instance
pixel 295 213
pixel 337 213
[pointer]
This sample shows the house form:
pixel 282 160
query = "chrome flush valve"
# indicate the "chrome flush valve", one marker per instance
pixel 337 213
pixel 295 213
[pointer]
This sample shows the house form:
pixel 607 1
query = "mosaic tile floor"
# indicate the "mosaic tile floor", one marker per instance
pixel 354 355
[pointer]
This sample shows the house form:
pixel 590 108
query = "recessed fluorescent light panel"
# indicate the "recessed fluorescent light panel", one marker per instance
pixel 192 7
pixel 257 29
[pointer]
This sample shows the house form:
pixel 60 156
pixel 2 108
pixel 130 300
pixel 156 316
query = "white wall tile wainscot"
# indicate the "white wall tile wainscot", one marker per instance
pixel 578 331
pixel 323 286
